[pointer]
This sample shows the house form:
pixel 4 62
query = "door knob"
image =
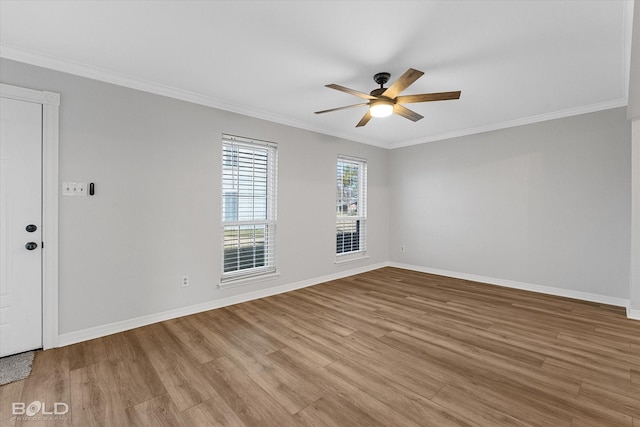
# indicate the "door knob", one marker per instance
pixel 31 228
pixel 31 246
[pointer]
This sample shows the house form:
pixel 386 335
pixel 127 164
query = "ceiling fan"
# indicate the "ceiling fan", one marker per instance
pixel 385 101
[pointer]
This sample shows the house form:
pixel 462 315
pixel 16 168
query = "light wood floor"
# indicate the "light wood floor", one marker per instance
pixel 385 348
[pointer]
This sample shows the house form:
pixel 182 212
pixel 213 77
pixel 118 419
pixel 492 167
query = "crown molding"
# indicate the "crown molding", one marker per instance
pixel 518 122
pixel 83 70
pixel 54 63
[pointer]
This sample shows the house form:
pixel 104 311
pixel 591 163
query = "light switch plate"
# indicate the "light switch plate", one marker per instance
pixel 74 188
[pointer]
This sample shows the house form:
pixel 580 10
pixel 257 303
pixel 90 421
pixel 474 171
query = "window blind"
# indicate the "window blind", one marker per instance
pixel 351 205
pixel 249 169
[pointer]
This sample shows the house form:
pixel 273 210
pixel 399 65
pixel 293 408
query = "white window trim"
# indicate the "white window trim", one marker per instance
pixel 248 280
pixel 351 257
pixel 257 274
pixel 361 254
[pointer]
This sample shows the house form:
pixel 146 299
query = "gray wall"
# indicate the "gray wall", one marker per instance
pixel 544 204
pixel 156 213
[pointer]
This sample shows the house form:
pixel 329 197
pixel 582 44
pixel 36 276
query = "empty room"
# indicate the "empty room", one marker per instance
pixel 320 213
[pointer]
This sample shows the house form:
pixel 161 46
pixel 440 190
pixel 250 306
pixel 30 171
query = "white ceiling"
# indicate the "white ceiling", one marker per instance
pixel 515 62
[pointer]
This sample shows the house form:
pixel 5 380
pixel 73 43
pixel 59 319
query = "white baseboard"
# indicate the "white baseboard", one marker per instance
pixel 124 325
pixel 585 296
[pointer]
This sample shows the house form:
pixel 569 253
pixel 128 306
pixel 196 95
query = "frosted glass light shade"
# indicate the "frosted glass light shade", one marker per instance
pixel 381 108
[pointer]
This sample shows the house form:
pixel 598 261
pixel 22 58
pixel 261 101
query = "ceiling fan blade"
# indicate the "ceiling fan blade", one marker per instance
pixel 365 119
pixel 402 83
pixel 350 91
pixel 341 108
pixel 427 97
pixel 406 113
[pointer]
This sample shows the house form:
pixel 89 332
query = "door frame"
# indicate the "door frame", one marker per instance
pixel 50 102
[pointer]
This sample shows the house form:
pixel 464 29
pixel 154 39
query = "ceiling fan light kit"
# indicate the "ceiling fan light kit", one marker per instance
pixel 381 108
pixel 385 101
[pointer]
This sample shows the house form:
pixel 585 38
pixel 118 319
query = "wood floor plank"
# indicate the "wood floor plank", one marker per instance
pixel 302 309
pixel 366 316
pixel 321 354
pixel 157 412
pixel 101 392
pixel 215 336
pixel 123 346
pixel 479 340
pixel 601 344
pixel 366 324
pixel 46 362
pixel 8 422
pixel 247 399
pixel 214 412
pixel 87 353
pixel 388 347
pixel 628 334
pixel 622 396
pixel 179 373
pixel 594 368
pixel 510 377
pixel 133 373
pixel 482 413
pixel 504 401
pixel 451 311
pixel 351 399
pixel 582 351
pixel 492 371
pixel 193 339
pixel 292 391
pixel 49 383
pixel 240 333
pixel 9 394
pixel 334 412
pixel 395 395
pixel 308 329
pixel 332 385
pixel 94 397
pixel 415 372
pixel 387 301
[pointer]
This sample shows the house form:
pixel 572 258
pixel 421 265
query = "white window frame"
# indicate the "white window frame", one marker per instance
pixel 267 222
pixel 358 221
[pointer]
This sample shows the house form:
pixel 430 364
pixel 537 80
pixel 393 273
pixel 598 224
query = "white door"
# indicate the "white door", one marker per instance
pixel 20 226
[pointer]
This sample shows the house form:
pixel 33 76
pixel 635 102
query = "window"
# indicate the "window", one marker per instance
pixel 351 206
pixel 249 170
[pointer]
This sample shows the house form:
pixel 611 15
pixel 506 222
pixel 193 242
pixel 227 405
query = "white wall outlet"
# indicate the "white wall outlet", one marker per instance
pixel 185 281
pixel 74 188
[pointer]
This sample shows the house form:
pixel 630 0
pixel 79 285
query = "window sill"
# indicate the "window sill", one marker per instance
pixel 242 281
pixel 346 259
